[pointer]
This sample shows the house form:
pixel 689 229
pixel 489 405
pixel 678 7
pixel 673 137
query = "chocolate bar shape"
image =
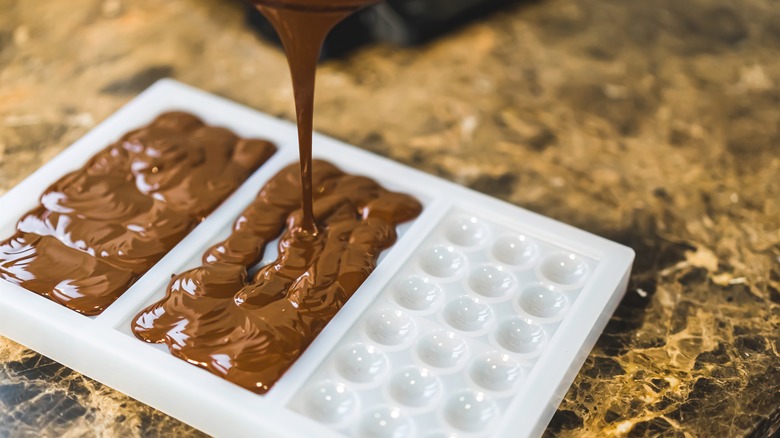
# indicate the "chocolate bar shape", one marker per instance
pixel 101 227
pixel 251 329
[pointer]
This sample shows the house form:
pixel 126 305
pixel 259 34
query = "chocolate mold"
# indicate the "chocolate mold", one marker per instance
pixel 475 322
pixel 477 347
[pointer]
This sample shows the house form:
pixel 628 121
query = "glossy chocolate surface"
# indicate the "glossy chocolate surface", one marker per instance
pixel 99 228
pixel 250 329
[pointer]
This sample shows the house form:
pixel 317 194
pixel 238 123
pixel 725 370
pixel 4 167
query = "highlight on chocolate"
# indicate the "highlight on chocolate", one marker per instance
pixel 249 328
pixel 100 228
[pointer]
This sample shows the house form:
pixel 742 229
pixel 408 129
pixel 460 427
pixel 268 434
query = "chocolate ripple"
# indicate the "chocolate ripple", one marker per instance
pixel 101 227
pixel 249 329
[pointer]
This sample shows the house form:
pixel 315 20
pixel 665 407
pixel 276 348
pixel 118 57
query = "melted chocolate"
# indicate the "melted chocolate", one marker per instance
pixel 250 329
pixel 333 226
pixel 302 26
pixel 100 228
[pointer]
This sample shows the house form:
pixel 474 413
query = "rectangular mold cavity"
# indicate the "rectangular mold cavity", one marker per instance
pixel 103 347
pixel 301 367
pixel 27 195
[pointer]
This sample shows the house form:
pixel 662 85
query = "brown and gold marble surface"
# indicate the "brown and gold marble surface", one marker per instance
pixel 656 124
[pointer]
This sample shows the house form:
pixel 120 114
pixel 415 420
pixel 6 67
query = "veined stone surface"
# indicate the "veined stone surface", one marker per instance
pixel 655 124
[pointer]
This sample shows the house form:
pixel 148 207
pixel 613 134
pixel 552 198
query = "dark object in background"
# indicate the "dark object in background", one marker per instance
pixel 400 22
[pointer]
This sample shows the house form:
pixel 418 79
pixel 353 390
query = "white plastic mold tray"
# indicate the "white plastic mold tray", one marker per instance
pixel 473 324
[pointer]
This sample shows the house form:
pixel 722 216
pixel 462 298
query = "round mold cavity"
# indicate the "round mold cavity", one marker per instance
pixel 492 282
pixel 520 335
pixel 415 387
pixel 564 269
pixel 543 302
pixel 442 261
pixel 466 231
pixel 418 293
pixel 517 250
pixel 362 363
pixel 496 371
pixel 468 314
pixel 443 349
pixel 385 422
pixel 331 403
pixel 470 411
pixel 390 327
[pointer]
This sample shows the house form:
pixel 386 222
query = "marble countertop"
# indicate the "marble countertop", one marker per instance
pixel 655 124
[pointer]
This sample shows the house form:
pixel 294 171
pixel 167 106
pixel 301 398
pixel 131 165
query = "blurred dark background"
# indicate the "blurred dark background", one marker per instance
pixel 398 22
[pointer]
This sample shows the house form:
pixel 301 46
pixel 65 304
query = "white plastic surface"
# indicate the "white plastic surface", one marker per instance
pixel 474 323
pixel 462 325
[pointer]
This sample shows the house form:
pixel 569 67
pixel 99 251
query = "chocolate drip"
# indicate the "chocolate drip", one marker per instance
pixel 302 26
pixel 250 330
pixel 101 227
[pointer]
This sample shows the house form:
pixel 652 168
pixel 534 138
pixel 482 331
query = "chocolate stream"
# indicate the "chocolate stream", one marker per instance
pixel 302 26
